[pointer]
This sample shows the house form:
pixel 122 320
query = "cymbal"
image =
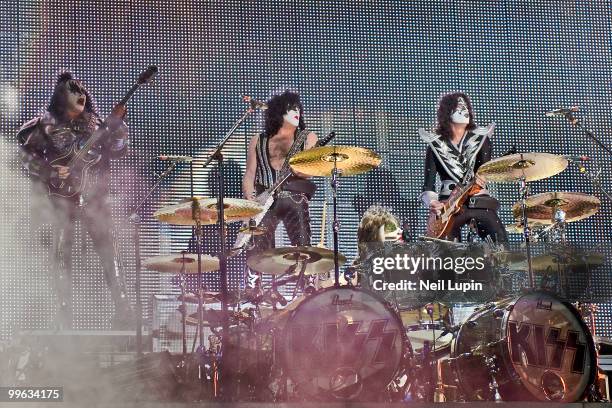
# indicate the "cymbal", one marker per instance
pixel 517 228
pixel 173 263
pixel 236 209
pixel 253 230
pixel 532 166
pixel 209 297
pixel 214 317
pixel 549 262
pixel 541 207
pixel 319 161
pixel 278 261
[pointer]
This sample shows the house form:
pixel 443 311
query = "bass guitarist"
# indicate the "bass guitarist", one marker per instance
pixel 284 134
pixel 455 151
pixel 68 123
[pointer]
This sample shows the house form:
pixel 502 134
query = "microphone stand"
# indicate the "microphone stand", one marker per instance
pixel 578 123
pixel 593 179
pixel 218 157
pixel 134 218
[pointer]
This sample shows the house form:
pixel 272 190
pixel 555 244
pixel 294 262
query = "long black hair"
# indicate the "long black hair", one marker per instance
pixel 57 104
pixel 277 107
pixel 446 106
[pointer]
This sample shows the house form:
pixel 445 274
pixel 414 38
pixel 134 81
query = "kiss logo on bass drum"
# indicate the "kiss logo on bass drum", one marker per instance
pixel 343 344
pixel 537 345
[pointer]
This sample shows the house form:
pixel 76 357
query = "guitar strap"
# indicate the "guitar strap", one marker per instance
pixel 298 140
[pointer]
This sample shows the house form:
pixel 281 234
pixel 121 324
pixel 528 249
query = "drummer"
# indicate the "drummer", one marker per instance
pixel 457 147
pixel 377 226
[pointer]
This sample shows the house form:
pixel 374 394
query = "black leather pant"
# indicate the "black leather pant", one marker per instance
pixel 96 220
pixel 487 223
pixel 292 209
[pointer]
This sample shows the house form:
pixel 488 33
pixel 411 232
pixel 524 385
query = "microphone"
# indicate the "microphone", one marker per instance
pixel 563 111
pixel 255 104
pixel 576 158
pixel 175 158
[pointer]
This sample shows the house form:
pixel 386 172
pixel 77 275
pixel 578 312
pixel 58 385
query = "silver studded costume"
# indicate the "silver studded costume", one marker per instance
pixel 457 164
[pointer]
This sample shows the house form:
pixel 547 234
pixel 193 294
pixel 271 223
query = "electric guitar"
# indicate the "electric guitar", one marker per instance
pixel 438 226
pixel 81 159
pixel 267 197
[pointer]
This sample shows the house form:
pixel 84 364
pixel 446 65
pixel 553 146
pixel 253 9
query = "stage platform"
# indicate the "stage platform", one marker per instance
pixel 310 405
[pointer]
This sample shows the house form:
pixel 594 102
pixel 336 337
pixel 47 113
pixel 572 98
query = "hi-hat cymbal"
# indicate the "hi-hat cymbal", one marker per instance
pixel 517 228
pixel 278 261
pixel 531 166
pixel 259 230
pixel 235 209
pixel 541 207
pixel 550 262
pixel 319 161
pixel 173 263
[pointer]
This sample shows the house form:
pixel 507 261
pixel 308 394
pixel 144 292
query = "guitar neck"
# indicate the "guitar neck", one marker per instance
pixel 129 94
pixel 96 135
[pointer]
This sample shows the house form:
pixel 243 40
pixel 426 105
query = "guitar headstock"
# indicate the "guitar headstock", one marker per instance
pixel 147 75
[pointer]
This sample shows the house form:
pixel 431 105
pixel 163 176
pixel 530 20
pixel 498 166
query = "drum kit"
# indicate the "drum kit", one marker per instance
pixel 340 341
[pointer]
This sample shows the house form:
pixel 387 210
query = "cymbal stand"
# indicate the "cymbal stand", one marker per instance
pixel 135 219
pixel 335 176
pixel 299 263
pixel 524 190
pixel 201 350
pixel 183 307
pixel 218 157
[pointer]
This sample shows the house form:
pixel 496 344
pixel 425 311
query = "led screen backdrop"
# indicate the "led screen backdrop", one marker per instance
pixel 371 71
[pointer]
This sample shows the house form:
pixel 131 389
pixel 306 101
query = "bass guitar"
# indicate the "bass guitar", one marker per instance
pixel 80 159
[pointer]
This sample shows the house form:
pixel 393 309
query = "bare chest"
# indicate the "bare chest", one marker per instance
pixel 278 148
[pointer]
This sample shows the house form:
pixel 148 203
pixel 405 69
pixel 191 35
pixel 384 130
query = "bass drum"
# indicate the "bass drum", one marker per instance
pixel 342 344
pixel 541 349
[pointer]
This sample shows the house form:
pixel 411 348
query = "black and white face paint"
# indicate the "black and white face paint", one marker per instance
pixel 292 116
pixel 461 114
pixel 390 232
pixel 75 96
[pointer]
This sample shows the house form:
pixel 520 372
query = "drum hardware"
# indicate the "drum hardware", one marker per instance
pixel 135 219
pixel 508 350
pixel 523 167
pixel 591 135
pixel 283 260
pixel 235 210
pixel 252 229
pixel 184 263
pixel 335 161
pixel 324 355
pixel 558 207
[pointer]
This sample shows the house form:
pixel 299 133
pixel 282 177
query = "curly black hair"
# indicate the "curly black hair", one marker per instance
pixel 278 105
pixel 446 106
pixel 57 104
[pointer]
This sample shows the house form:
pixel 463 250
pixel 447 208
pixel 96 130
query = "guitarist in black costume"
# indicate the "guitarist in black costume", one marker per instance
pixel 267 155
pixel 455 151
pixel 69 121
